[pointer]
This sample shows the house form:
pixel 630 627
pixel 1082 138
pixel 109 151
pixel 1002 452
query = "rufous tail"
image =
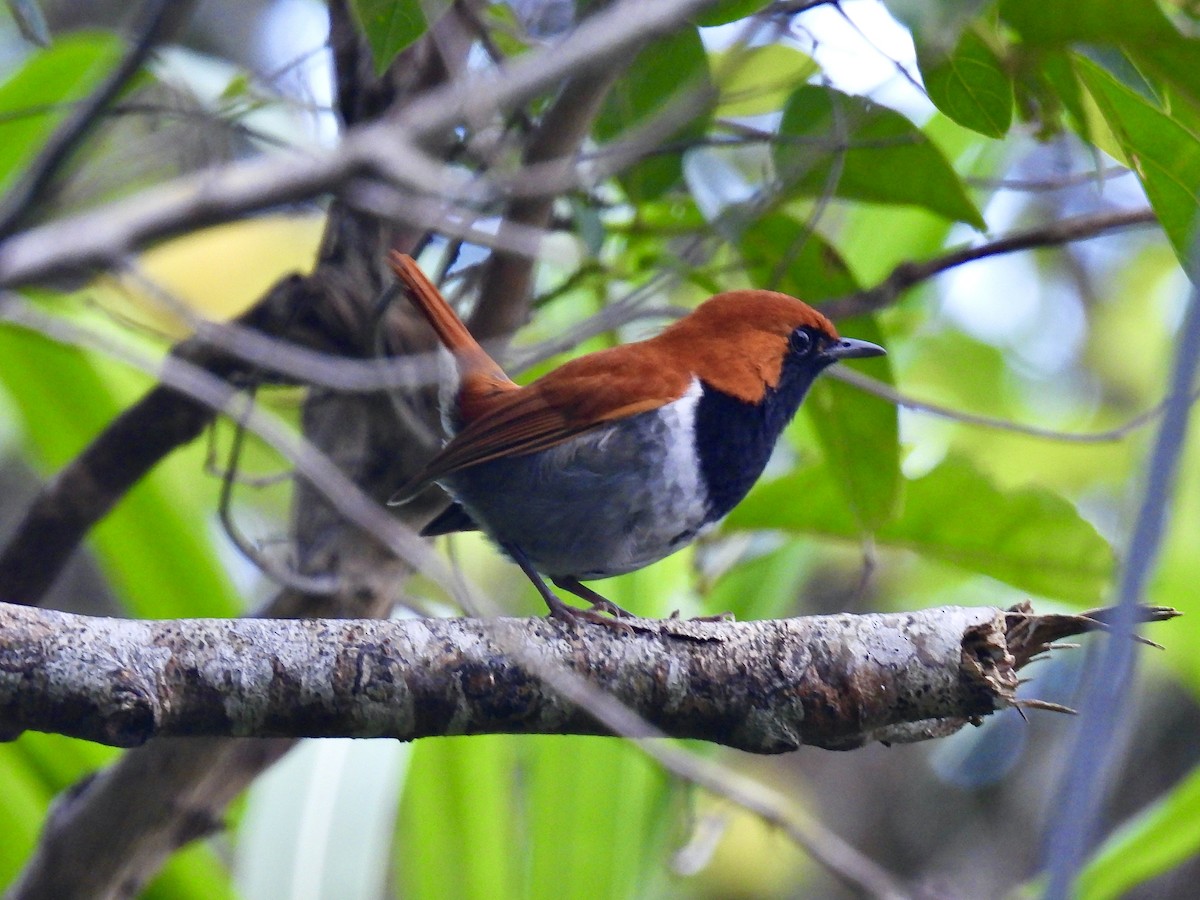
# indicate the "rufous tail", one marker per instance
pixel 472 359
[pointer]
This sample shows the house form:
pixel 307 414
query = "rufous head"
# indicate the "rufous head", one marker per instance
pixel 738 341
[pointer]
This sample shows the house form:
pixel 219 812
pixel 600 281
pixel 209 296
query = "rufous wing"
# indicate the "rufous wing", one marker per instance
pixel 582 395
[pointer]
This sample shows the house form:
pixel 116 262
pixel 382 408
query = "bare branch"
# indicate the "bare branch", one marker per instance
pixel 766 687
pixel 154 20
pixel 1055 234
pixel 1094 751
pixel 504 299
pixel 190 385
pixel 86 489
pixel 387 149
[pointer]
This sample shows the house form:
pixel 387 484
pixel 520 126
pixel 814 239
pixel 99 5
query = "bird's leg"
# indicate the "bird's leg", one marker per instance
pixel 599 602
pixel 558 609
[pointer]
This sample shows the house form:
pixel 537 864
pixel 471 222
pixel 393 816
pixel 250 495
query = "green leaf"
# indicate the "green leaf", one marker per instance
pixel 597 813
pixel 1032 538
pixel 970 85
pixel 1064 22
pixel 196 872
pixel 762 587
pixel 37 97
pixel 859 432
pixel 658 74
pixel 728 11
pixel 1140 28
pixel 544 816
pixel 154 546
pixel 833 143
pixel 23 805
pixel 390 26
pixel 779 252
pixel 1154 841
pixel 937 22
pixel 61 761
pixel 1059 86
pixel 459 794
pixel 1165 155
pixel 756 80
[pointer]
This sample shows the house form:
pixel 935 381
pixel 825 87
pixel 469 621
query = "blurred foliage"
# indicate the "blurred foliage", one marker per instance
pixel 216 273
pixel 808 159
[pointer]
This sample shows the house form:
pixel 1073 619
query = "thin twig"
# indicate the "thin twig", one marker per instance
pixel 280 573
pixel 504 296
pixel 909 274
pixel 1047 185
pixel 1094 755
pixel 204 388
pixel 387 149
pixel 153 21
pixel 887 392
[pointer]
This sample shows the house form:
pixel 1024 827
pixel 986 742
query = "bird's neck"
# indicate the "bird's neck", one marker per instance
pixel 735 437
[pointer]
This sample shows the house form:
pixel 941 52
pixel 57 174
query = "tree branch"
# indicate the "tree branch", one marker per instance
pixel 765 687
pixel 88 487
pixel 504 298
pixel 387 149
pixel 154 20
pixel 1055 234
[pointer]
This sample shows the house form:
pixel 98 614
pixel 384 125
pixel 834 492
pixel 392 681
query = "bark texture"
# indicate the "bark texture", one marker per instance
pixel 765 687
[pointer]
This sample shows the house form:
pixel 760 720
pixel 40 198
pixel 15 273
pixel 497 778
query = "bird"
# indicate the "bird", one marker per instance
pixel 620 457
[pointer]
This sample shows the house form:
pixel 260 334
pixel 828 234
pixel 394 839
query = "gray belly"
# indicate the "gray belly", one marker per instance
pixel 607 502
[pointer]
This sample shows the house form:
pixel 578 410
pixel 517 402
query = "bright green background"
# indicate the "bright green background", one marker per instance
pixel 944 512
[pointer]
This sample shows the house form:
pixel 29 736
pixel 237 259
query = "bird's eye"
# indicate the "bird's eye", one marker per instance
pixel 801 342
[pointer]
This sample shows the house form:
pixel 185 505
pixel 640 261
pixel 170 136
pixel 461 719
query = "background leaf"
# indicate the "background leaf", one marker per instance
pixel 755 80
pixel 669 65
pixel 160 563
pixel 886 158
pixel 970 85
pixel 1164 153
pixel 35 98
pixel 390 26
pixel 1152 842
pixel 1030 538
pixel 728 11
pixel 859 433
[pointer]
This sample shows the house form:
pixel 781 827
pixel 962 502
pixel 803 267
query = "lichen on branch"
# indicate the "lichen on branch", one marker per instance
pixel 767 687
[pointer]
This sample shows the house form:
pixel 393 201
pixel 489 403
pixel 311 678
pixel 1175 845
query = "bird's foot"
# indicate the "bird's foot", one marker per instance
pixel 629 625
pixel 598 614
pixel 607 607
pixel 600 603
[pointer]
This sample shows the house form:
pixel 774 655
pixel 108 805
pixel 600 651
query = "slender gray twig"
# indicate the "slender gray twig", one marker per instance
pixel 152 21
pixel 909 274
pixel 314 466
pixel 1104 706
pixel 1108 436
pixel 387 150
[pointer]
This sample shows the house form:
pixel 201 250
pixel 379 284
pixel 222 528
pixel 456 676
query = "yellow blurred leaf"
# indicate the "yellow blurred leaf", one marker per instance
pixel 216 273
pixel 757 80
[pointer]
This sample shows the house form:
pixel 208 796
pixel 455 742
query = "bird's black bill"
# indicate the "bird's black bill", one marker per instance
pixel 849 348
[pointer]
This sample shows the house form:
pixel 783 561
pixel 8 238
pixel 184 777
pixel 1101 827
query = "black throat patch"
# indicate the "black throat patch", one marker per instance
pixel 734 439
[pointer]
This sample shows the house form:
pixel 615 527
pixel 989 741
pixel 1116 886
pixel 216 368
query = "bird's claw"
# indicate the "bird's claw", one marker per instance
pixel 573 615
pixel 607 606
